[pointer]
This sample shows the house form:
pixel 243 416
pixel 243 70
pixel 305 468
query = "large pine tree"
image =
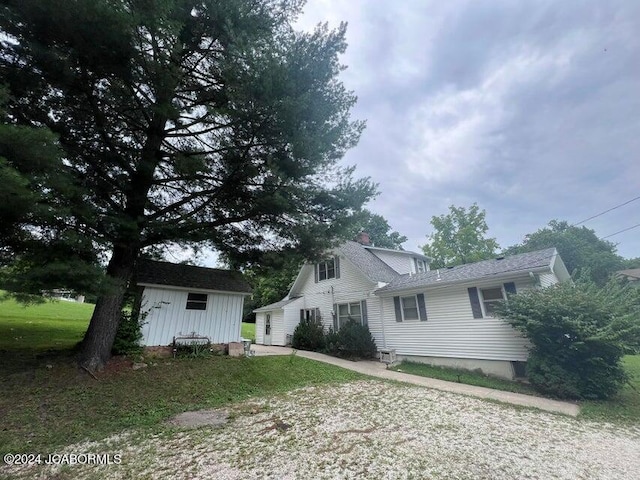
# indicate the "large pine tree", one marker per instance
pixel 180 121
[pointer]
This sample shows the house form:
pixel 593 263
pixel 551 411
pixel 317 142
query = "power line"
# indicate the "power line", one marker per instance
pixel 606 211
pixel 623 230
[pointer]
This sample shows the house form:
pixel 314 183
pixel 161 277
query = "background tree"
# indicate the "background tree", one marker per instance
pixel 379 231
pixel 459 237
pixel 272 277
pixel 181 121
pixel 579 247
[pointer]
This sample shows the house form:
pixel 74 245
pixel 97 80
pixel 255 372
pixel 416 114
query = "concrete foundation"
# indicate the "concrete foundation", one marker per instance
pixel 495 368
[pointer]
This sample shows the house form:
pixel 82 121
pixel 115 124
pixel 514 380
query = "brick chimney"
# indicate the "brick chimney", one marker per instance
pixel 363 238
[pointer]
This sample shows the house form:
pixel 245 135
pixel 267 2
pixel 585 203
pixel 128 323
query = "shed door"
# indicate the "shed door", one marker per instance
pixel 267 329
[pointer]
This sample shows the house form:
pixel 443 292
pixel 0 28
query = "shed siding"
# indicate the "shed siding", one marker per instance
pixel 451 331
pixel 168 317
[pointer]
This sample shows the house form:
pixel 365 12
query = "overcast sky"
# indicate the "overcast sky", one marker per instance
pixel 529 108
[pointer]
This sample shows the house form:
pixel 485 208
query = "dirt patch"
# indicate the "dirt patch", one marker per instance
pixel 200 418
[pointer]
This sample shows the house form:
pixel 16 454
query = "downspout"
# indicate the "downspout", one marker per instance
pixel 384 338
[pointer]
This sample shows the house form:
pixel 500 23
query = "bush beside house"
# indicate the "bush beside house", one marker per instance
pixel 352 340
pixel 579 334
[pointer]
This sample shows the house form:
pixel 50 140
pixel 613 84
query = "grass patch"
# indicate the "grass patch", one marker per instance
pixel 463 376
pixel 47 402
pixel 53 324
pixel 248 331
pixel 45 407
pixel 625 407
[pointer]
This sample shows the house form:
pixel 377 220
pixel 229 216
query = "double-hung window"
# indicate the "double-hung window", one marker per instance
pixel 327 269
pixel 490 297
pixel 409 308
pixel 349 311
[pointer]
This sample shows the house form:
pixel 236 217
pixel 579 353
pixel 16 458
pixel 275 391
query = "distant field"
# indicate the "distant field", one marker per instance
pixel 54 324
pixel 249 331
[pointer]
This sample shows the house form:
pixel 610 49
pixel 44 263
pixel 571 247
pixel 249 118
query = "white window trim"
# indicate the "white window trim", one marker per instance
pixel 417 308
pixel 348 304
pixel 485 314
pixel 326 262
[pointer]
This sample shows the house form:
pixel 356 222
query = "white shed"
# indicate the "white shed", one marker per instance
pixel 185 300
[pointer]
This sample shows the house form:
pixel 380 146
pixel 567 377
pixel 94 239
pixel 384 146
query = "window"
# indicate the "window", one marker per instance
pixel 409 308
pixel 421 265
pixel 327 269
pixel 491 296
pixel 197 301
pixel 310 314
pixel 267 324
pixel 349 311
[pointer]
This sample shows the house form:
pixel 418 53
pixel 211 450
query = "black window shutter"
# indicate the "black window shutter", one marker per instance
pixel 363 309
pixel 422 308
pixel 396 304
pixel 335 317
pixel 415 264
pixel 337 265
pixel 301 315
pixel 315 272
pixel 510 288
pixel 475 302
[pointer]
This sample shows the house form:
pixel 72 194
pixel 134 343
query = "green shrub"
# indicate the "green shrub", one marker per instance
pixel 351 341
pixel 309 335
pixel 128 335
pixel 579 334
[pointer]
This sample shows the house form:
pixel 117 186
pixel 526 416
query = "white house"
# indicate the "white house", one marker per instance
pixel 443 317
pixel 184 300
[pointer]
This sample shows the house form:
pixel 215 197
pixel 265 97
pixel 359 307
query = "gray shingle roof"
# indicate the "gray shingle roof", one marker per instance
pixel 370 265
pixel 277 305
pixel 473 271
pixel 189 276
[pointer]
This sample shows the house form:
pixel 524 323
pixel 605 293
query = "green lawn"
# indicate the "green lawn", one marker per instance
pixel 463 376
pixel 249 331
pixel 54 324
pixel 47 402
pixel 624 408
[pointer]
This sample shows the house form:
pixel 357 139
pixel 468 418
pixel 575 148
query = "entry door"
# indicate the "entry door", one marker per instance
pixel 267 329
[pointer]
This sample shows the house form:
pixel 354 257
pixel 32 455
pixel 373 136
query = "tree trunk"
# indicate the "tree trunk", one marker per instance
pixel 98 340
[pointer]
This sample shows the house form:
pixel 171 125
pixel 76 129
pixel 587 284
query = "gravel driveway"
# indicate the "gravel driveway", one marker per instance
pixel 372 429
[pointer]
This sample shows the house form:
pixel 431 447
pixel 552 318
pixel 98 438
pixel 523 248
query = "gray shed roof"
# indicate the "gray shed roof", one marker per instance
pixel 277 305
pixel 473 271
pixel 189 276
pixel 370 265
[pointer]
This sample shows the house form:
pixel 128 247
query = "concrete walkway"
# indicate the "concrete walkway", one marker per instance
pixel 379 369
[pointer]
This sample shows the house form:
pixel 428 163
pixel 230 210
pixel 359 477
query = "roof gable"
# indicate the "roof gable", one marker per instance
pixel 370 265
pixel 500 266
pixel 188 276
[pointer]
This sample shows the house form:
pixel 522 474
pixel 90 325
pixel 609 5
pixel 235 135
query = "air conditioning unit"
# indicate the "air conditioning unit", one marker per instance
pixel 388 356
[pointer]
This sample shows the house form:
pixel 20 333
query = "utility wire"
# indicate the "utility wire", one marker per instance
pixel 606 211
pixel 623 230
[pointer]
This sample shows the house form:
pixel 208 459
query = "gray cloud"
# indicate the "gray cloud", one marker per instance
pixel 528 108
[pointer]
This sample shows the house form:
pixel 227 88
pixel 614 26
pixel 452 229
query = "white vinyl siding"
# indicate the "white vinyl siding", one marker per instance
pixel 351 287
pixel 283 323
pixel 451 331
pixel 400 262
pixel 168 316
pixel 547 279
